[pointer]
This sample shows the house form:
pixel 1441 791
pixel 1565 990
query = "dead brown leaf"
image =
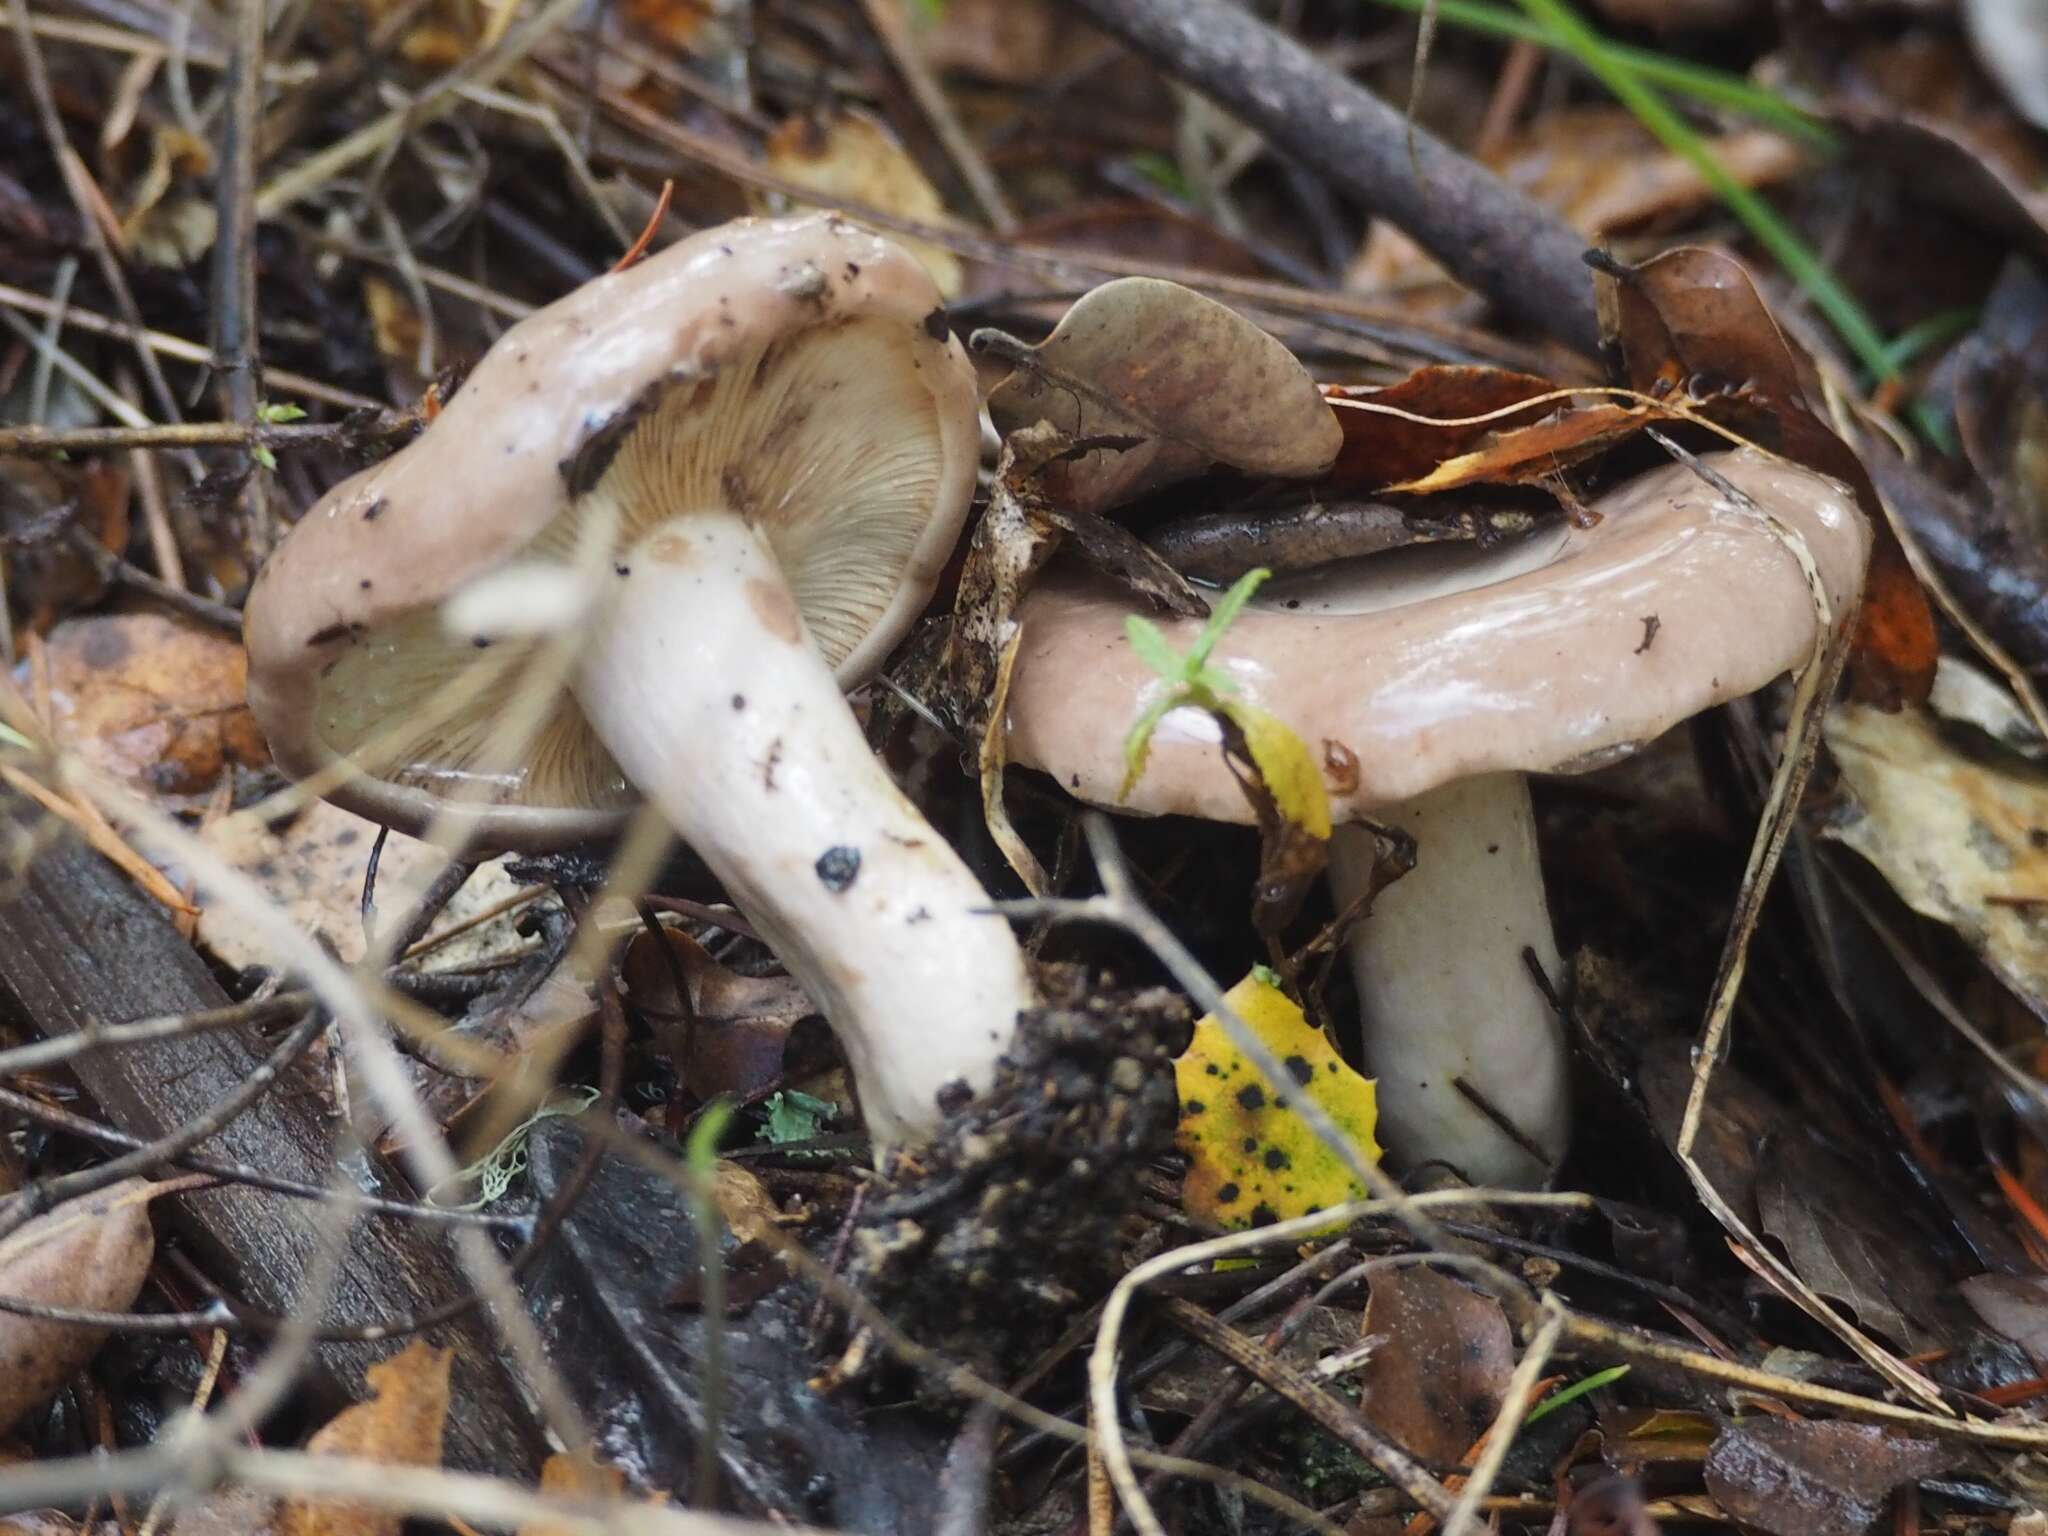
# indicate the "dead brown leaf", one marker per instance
pixel 1436 1381
pixel 93 1252
pixel 577 1474
pixel 1794 1478
pixel 1532 454
pixel 1606 174
pixel 1178 380
pixel 1848 1241
pixel 1961 836
pixel 730 1038
pixel 1380 450
pixel 40 502
pixel 400 1425
pixel 847 156
pixel 153 701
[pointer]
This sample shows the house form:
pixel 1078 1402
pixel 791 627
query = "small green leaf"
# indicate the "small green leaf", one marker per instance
pixel 278 412
pixel 795 1116
pixel 262 455
pixel 1163 173
pixel 1225 613
pixel 1153 650
pixel 1138 745
pixel 1191 680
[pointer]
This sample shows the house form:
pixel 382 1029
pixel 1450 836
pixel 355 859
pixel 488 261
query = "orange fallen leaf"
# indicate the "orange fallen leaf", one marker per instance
pixel 1526 454
pixel 577 1474
pixel 154 701
pixel 400 1425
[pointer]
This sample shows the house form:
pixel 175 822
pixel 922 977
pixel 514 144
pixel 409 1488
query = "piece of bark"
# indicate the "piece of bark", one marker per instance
pixel 1491 237
pixel 78 946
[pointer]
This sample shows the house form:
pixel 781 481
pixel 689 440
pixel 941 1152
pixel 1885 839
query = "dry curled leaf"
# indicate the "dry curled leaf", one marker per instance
pixel 847 156
pixel 577 1474
pixel 91 1253
pixel 729 1039
pixel 1531 454
pixel 153 701
pixel 1796 1478
pixel 314 865
pixel 1382 449
pixel 400 1425
pixel 1961 836
pixel 1441 1363
pixel 1845 1239
pixel 1189 382
pixel 1251 1158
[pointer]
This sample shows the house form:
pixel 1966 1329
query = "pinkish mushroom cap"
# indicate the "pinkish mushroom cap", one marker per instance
pixel 1562 650
pixel 831 407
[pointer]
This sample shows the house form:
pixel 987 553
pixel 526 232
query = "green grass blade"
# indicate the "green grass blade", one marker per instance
pixel 1709 87
pixel 1574 1392
pixel 1758 216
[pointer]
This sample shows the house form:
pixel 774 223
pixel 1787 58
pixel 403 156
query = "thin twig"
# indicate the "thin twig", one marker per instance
pixel 435 102
pixel 77 181
pixel 44 441
pixel 1339 1419
pixel 39 1054
pixel 910 66
pixel 44 1193
pixel 383 1073
pixel 242 1173
pixel 184 351
pixel 113 568
pixel 235 318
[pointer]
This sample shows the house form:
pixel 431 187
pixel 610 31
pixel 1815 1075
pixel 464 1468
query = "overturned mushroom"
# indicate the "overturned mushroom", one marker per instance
pixel 736 470
pixel 1439 676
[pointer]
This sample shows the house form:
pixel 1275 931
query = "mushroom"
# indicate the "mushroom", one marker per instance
pixel 735 471
pixel 1447 673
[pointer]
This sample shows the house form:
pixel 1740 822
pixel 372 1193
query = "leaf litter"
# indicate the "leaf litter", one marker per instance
pixel 1781 1125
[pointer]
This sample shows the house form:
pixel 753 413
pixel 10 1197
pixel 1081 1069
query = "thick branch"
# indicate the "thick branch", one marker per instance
pixel 1508 247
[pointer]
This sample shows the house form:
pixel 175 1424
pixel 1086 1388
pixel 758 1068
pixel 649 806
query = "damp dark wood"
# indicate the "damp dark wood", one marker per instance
pixel 79 945
pixel 608 1298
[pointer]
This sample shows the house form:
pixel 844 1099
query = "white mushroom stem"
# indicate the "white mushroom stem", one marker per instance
pixel 699 676
pixel 1444 991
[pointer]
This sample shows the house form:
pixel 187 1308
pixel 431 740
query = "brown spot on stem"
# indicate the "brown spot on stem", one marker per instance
pixel 775 608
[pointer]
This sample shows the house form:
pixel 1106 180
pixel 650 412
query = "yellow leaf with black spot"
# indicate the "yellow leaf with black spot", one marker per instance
pixel 1252 1159
pixel 1293 776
